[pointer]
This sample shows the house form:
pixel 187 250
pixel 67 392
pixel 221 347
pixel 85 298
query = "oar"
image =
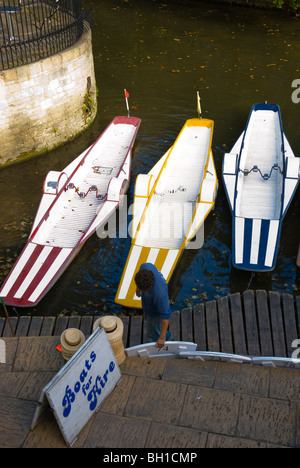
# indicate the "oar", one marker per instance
pixel 7 316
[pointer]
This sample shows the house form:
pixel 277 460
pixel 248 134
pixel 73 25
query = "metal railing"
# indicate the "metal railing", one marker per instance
pixel 33 30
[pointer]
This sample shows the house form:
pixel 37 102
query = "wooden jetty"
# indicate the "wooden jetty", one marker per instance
pixel 252 323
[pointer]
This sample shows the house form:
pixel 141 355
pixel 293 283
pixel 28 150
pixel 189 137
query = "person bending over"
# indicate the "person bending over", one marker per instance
pixel 153 290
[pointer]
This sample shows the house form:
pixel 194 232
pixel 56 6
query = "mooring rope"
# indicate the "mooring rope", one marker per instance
pixel 252 276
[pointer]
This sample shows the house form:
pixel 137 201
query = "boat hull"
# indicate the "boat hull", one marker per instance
pixel 255 243
pixel 260 175
pixel 75 203
pixel 171 203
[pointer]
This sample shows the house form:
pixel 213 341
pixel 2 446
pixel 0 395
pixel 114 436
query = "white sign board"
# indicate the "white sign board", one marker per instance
pixel 2 352
pixel 81 386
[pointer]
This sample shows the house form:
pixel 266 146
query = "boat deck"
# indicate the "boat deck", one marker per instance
pixel 71 215
pixel 253 189
pixel 171 207
pixel 253 324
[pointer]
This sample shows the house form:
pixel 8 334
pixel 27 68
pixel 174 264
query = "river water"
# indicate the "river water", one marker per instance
pixel 163 52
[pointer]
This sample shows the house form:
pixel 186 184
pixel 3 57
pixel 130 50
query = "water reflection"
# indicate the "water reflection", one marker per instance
pixel 163 52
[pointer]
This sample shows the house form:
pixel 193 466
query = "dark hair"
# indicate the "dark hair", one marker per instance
pixel 144 279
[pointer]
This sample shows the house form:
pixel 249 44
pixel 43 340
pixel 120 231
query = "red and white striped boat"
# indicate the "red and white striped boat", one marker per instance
pixel 74 204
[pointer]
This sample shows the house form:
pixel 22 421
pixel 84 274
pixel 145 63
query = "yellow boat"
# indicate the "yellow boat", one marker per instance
pixel 171 202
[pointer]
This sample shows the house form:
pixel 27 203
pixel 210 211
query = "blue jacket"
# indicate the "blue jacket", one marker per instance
pixel 156 301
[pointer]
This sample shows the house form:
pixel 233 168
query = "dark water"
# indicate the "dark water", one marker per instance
pixel 163 52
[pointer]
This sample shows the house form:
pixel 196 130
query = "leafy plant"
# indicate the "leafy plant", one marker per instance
pixel 89 106
pixel 294 5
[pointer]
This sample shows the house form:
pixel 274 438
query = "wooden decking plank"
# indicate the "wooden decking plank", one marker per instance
pixel 277 324
pixel 251 324
pixel 264 325
pixel 35 326
pixel 23 325
pixel 187 324
pixel 47 327
pixel 86 325
pixel 199 327
pixel 125 320
pixel 238 326
pixel 2 324
pixel 213 340
pixel 289 318
pixel 61 325
pixel 254 326
pixel 7 333
pixel 136 330
pixel 225 325
pixel 144 332
pixel 175 325
pixel 74 322
pixel 298 314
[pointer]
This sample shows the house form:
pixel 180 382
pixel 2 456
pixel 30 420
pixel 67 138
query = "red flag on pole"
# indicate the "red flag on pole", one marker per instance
pixel 126 99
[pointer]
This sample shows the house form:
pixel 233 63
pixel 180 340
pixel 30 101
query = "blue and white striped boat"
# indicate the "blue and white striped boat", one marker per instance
pixel 260 176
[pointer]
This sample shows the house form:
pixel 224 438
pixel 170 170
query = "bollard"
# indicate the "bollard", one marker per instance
pixel 71 340
pixel 114 330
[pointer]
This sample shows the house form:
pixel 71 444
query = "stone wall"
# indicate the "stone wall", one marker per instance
pixel 47 103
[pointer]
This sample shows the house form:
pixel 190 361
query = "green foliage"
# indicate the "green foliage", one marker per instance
pixel 278 3
pixel 294 5
pixel 89 105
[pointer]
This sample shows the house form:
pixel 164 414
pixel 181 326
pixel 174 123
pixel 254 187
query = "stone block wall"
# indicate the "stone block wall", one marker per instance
pixel 47 103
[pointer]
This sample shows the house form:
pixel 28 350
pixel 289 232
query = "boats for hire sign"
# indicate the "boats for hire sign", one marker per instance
pixel 81 386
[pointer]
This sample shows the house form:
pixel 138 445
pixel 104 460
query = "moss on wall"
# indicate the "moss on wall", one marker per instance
pixel 47 103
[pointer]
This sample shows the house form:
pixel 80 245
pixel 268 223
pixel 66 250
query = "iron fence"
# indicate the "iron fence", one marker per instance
pixel 34 30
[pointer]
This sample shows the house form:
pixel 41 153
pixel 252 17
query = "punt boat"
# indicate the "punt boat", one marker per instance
pixel 171 202
pixel 260 176
pixel 75 202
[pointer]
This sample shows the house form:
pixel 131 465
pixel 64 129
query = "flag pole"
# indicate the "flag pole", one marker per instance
pixel 199 106
pixel 126 99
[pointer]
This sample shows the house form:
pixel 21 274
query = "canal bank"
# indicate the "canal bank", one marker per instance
pixel 164 403
pixel 255 323
pixel 159 403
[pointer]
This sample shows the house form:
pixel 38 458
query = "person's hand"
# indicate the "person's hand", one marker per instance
pixel 160 343
pixel 138 292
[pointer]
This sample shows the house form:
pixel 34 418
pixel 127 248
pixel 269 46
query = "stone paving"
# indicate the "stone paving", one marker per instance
pixel 159 403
